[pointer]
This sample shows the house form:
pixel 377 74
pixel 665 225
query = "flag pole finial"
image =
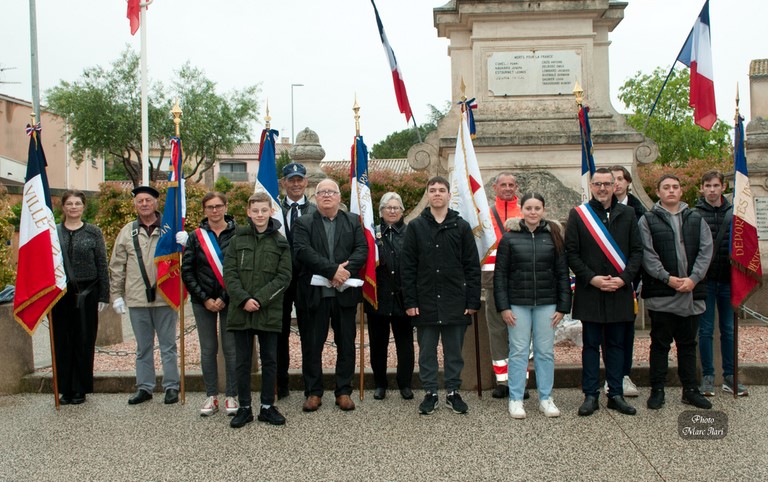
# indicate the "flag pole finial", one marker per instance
pixel 176 111
pixel 578 92
pixel 463 88
pixel 356 109
pixel 267 118
pixel 737 102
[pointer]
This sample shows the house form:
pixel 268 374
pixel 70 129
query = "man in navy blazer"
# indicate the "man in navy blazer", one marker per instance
pixel 330 244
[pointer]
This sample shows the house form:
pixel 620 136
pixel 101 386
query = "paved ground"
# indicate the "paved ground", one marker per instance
pixel 108 440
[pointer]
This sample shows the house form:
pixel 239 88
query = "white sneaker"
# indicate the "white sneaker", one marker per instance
pixel 210 406
pixel 549 408
pixel 516 409
pixel 629 387
pixel 231 406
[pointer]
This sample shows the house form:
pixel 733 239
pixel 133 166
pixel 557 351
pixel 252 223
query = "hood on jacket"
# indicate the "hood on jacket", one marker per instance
pixel 516 224
pixel 272 225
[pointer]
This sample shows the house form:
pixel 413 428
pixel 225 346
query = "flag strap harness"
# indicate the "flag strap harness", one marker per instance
pixel 602 237
pixel 212 252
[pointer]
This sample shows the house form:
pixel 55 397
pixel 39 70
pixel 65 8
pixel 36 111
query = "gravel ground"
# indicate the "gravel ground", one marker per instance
pixel 753 348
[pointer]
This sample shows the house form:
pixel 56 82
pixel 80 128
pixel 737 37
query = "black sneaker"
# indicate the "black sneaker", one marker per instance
pixel 429 404
pixel 501 391
pixel 271 416
pixel 692 396
pixel 656 400
pixel 454 401
pixel 243 416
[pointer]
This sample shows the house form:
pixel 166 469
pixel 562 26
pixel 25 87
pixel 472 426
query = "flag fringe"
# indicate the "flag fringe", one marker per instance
pixel 28 302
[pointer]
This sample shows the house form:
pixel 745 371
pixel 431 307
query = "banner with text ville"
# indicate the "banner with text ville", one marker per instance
pixel 40 277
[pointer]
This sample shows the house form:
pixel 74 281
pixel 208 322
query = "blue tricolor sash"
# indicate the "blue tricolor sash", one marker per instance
pixel 212 252
pixel 602 237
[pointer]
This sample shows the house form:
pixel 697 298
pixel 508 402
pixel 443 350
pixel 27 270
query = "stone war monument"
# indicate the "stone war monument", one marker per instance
pixel 521 61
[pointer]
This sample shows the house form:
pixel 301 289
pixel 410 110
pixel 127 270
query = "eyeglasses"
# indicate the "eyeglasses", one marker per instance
pixel 74 205
pixel 392 209
pixel 326 193
pixel 215 207
pixel 602 184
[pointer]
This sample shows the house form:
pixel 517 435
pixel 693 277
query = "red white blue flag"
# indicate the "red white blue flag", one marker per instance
pixel 697 55
pixel 746 268
pixel 361 203
pixel 587 158
pixel 167 253
pixel 40 278
pixel 266 179
pixel 133 14
pixel 397 76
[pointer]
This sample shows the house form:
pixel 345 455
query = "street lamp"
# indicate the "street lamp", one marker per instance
pixel 293 137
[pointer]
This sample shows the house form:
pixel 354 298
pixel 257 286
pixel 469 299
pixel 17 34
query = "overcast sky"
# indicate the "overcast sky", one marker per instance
pixel 333 48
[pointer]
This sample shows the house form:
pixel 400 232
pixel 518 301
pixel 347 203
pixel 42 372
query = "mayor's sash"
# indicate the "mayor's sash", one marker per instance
pixel 212 253
pixel 602 237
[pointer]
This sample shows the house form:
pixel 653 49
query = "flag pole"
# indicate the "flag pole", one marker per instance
pixel 475 319
pixel 736 312
pixel 35 70
pixel 145 174
pixel 360 311
pixel 176 111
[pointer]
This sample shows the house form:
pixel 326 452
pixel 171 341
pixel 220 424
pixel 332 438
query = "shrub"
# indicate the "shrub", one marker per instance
pixel 7 270
pixel 689 174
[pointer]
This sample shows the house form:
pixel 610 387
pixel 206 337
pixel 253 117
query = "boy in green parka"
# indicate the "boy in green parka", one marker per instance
pixel 257 271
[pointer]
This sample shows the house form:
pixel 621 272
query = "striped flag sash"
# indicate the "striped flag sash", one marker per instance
pixel 212 253
pixel 602 237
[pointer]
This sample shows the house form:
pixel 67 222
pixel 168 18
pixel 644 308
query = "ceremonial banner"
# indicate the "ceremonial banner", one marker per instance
pixel 746 268
pixel 40 278
pixel 361 204
pixel 266 179
pixel 467 191
pixel 168 251
pixel 587 158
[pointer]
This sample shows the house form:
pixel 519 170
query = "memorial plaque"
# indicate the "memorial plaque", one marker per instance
pixel 761 208
pixel 540 72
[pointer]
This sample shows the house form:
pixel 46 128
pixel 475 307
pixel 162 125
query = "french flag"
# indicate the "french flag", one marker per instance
pixel 697 55
pixel 397 76
pixel 40 278
pixel 361 204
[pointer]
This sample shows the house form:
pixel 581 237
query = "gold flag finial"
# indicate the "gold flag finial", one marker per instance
pixel 737 103
pixel 463 88
pixel 356 109
pixel 267 117
pixel 176 111
pixel 578 92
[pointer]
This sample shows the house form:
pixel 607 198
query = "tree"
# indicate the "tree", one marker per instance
pixel 396 145
pixel 103 108
pixel 672 126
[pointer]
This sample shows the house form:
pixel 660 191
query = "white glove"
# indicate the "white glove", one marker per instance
pixel 119 306
pixel 102 305
pixel 181 238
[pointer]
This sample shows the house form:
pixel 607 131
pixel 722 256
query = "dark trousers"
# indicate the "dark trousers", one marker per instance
pixel 378 335
pixel 283 347
pixel 611 335
pixel 453 360
pixel 629 345
pixel 74 334
pixel 244 340
pixel 313 329
pixel 664 328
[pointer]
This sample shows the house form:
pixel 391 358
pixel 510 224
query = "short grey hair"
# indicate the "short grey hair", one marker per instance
pixel 388 197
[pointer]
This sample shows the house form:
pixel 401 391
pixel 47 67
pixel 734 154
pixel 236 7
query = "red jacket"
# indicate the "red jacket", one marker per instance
pixel 506 210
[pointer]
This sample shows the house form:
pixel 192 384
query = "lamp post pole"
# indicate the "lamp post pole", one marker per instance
pixel 293 136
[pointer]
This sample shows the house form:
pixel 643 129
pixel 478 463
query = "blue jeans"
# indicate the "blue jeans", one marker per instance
pixel 536 320
pixel 209 325
pixel 718 296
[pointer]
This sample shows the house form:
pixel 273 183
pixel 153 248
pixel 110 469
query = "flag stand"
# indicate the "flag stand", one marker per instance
pixel 176 111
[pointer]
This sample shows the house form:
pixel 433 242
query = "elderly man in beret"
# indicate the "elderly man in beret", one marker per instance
pixel 133 284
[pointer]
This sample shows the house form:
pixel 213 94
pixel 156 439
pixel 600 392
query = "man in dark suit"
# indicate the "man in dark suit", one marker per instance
pixel 295 204
pixel 328 245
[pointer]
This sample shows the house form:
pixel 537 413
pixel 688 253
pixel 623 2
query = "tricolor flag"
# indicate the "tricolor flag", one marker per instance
pixel 361 203
pixel 266 179
pixel 468 106
pixel 40 277
pixel 746 269
pixel 167 253
pixel 134 12
pixel 697 55
pixel 587 159
pixel 468 194
pixel 397 76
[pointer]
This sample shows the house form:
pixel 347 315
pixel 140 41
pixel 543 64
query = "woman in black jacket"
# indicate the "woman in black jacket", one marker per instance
pixel 533 294
pixel 202 272
pixel 391 310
